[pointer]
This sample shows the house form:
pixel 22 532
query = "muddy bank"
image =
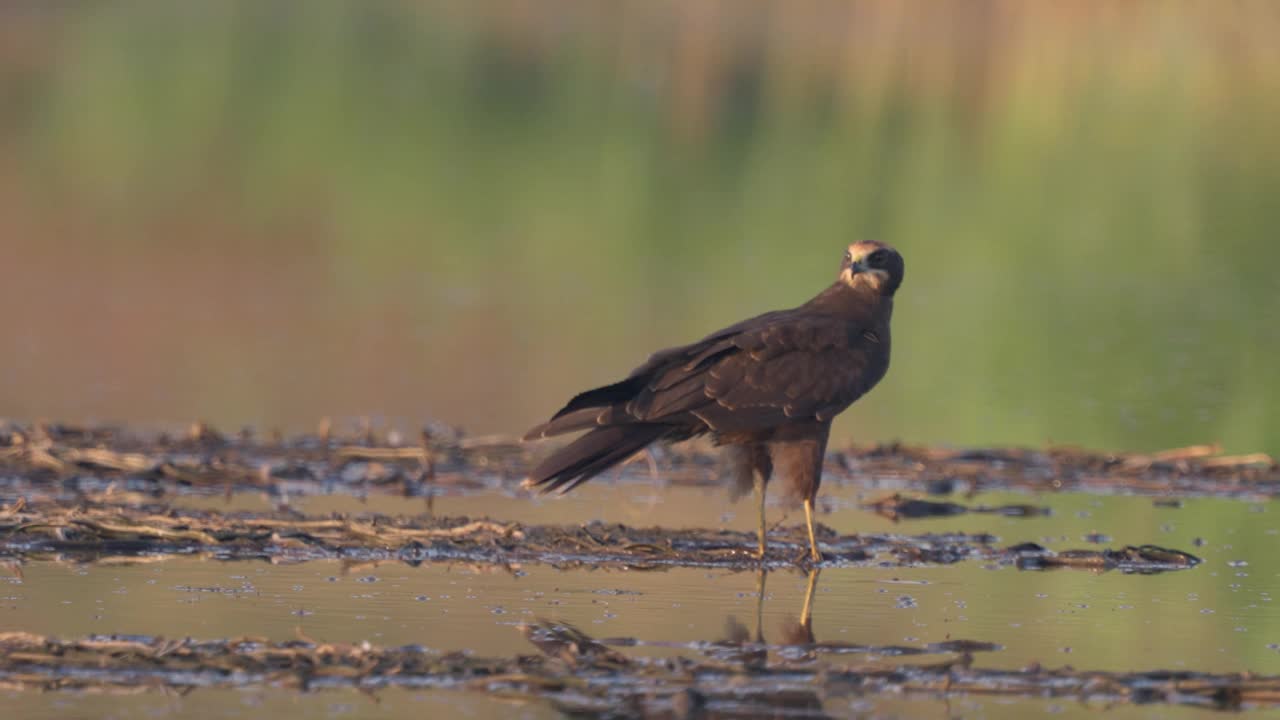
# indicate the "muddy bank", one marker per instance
pixel 93 532
pixel 64 462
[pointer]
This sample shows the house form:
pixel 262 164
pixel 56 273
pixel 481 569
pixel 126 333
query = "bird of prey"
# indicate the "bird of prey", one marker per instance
pixel 766 389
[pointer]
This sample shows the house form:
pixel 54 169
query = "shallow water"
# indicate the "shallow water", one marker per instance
pixel 1110 621
pixel 1220 616
pixel 257 703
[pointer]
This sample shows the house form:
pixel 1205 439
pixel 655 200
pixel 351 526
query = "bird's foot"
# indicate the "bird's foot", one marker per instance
pixel 808 559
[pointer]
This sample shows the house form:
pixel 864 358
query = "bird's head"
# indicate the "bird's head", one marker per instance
pixel 874 265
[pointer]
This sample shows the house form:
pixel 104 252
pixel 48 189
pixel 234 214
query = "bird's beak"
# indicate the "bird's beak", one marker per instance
pixel 857 266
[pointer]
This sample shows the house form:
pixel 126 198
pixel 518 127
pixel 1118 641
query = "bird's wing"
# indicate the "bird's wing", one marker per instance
pixel 582 406
pixel 789 366
pixel 677 356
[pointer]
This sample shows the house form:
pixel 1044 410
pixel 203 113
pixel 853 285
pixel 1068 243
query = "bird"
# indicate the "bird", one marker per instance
pixel 765 389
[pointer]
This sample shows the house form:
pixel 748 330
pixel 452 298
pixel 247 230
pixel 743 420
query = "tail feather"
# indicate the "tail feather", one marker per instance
pixel 588 409
pixel 592 454
pixel 576 420
pixel 603 397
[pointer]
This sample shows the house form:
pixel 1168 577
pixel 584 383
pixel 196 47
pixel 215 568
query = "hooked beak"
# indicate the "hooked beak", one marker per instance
pixel 859 266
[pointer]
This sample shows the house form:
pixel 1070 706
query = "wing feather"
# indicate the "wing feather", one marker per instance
pixel 812 368
pixel 756 374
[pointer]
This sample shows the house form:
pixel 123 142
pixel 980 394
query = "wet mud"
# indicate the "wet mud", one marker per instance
pixel 72 461
pixel 93 532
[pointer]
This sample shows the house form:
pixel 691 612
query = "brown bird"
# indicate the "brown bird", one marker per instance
pixel 767 389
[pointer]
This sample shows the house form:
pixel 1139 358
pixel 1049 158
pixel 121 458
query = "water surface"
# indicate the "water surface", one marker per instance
pixel 1220 616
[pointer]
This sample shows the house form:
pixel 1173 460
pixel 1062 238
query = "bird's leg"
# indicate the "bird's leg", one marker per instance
pixel 797 458
pixel 759 483
pixel 814 554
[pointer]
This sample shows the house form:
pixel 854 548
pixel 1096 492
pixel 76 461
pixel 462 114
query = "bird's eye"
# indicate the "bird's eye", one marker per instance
pixel 848 256
pixel 876 258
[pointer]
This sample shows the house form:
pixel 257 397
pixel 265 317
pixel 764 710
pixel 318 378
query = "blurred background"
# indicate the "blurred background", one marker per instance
pixel 262 213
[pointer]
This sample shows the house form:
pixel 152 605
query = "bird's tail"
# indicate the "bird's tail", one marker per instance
pixel 592 454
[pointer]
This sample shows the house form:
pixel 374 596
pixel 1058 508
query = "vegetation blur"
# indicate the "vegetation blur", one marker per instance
pixel 268 212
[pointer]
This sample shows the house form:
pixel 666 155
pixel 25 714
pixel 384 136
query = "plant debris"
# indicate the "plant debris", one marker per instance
pixel 66 462
pixel 897 507
pixel 586 677
pixel 91 532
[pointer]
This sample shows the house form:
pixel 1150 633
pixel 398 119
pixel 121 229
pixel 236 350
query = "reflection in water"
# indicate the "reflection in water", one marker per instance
pixel 797 642
pixel 760 683
pixel 794 632
pixel 750 648
pixel 747 650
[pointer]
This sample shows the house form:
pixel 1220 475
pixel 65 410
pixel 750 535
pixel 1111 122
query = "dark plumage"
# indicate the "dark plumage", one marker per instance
pixel 767 388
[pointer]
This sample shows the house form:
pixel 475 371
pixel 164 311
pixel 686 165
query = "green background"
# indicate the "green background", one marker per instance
pixel 267 212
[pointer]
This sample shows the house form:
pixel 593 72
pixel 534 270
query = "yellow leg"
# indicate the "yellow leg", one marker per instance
pixel 813 540
pixel 760 503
